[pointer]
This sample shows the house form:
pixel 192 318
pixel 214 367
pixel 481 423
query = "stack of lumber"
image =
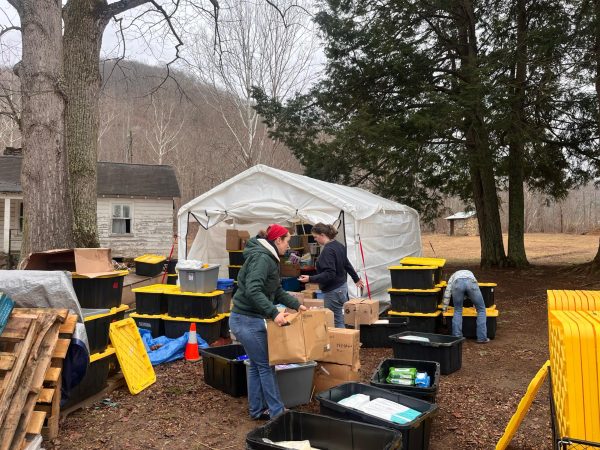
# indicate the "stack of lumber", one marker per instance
pixel 32 348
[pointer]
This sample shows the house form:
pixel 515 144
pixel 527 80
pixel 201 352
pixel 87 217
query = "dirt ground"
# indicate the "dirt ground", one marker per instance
pixel 180 412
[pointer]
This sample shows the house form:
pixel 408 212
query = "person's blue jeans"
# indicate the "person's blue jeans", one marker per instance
pixel 460 288
pixel 334 300
pixel 263 391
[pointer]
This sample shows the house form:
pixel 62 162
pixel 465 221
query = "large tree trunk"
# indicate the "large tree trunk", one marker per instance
pixel 44 177
pixel 82 40
pixel 477 143
pixel 516 177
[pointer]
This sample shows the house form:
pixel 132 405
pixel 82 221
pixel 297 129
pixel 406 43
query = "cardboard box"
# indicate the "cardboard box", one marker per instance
pixel 361 311
pixel 305 338
pixel 312 287
pixel 328 375
pixel 88 262
pixel 236 239
pixel 289 270
pixel 308 293
pixel 314 303
pixel 344 347
pixel 298 295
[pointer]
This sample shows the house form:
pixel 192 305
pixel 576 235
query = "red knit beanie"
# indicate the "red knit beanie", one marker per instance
pixel 274 231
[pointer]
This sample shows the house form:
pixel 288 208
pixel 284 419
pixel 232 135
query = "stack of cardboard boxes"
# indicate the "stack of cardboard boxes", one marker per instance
pixel 341 363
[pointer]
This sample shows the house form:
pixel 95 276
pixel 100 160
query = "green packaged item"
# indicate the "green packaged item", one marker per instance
pixel 403 372
pixel 401 381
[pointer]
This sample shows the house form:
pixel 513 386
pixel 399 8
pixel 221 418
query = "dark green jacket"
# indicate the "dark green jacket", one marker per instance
pixel 259 286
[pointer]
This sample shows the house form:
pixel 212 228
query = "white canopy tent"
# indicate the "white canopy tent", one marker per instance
pixel 262 195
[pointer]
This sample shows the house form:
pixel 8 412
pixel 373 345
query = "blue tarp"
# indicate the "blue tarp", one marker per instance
pixel 169 350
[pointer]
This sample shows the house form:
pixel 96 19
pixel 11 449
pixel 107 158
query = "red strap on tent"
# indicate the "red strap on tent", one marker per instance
pixel 362 254
pixel 169 260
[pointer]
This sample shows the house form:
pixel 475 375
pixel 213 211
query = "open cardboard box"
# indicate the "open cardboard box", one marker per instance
pixel 87 262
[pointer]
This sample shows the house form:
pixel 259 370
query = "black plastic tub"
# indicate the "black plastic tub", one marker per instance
pixel 487 292
pixel 172 278
pixel 149 265
pixel 323 432
pixel 150 299
pixel 192 305
pixel 236 257
pixel 377 335
pixel 415 434
pixel 234 271
pixel 421 322
pixel 225 333
pixel 224 305
pixel 222 371
pixel 171 265
pixel 446 350
pixel 303 228
pixel 153 323
pixel 94 379
pixel 100 292
pixel 208 329
pixel 97 323
pixel 412 277
pixel 469 324
pixel 415 300
pixel 431 367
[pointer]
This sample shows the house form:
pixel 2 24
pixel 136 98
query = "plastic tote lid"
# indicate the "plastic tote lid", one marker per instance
pixel 150 259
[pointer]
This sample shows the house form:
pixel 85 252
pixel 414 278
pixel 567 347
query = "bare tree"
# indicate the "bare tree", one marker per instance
pixel 163 136
pixel 44 177
pixel 254 44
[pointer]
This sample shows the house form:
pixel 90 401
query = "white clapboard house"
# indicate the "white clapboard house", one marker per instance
pixel 135 207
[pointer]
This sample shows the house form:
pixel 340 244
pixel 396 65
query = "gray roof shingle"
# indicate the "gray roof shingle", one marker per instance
pixel 138 180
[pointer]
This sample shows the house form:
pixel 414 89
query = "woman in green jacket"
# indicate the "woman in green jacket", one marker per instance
pixel 259 290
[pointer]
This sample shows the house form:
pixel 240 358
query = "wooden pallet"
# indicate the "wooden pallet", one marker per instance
pixel 29 345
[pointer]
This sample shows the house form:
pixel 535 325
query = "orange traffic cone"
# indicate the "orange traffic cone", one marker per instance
pixel 191 348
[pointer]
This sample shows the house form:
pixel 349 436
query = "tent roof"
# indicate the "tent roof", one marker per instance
pixel 352 200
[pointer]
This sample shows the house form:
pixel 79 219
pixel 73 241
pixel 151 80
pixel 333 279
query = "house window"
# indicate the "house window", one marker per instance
pixel 21 216
pixel 121 218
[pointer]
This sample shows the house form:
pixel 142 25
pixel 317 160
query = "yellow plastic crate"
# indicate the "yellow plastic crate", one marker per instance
pixel 472 312
pixel 132 356
pixel 574 341
pixel 156 288
pixel 573 300
pixel 422 261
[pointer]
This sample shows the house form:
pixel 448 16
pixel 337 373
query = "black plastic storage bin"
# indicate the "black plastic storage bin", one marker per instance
pixel 431 367
pixel 225 333
pixel 421 322
pixel 97 323
pixel 415 300
pixel 149 265
pixel 415 434
pixel 172 278
pixel 236 257
pixel 438 263
pixel 377 335
pixel 94 379
pixel 171 265
pixel 487 292
pixel 208 329
pixel 151 322
pixel 469 322
pixel 222 371
pixel 412 277
pixel 303 228
pixel 446 350
pixel 323 432
pixel 224 305
pixel 103 292
pixel 192 305
pixel 151 299
pixel 234 271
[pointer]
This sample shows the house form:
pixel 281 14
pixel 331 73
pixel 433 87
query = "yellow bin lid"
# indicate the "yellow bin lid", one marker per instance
pixel 132 355
pixel 472 312
pixel 187 319
pixel 422 261
pixel 145 316
pixel 116 273
pixel 177 291
pixel 155 289
pixel 407 314
pixel 235 267
pixel 412 267
pixel 150 259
